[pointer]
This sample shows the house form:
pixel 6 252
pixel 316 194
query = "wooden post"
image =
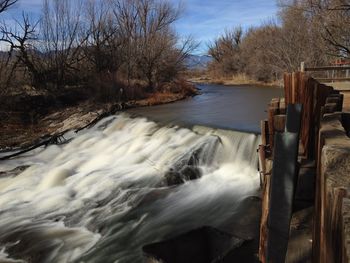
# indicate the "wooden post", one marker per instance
pixel 299 87
pixel 294 87
pixel 264 125
pixel 279 122
pixel 287 87
pixel 262 163
pixel 264 218
pixel 271 113
pixel 275 103
pixel 282 106
pixel 307 130
pixel 341 102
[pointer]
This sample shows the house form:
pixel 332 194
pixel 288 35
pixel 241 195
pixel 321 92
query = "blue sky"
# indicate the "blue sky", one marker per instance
pixel 203 19
pixel 207 19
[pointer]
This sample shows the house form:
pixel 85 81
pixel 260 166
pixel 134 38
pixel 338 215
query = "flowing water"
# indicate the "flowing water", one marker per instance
pixel 104 195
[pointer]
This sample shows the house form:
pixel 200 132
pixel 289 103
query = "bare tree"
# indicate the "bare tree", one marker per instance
pixel 61 39
pixel 103 45
pixel 125 15
pixel 334 21
pixel 226 51
pixel 265 52
pixel 261 59
pixel 5 73
pixel 154 35
pixel 49 49
pixel 6 4
pixel 148 39
pixel 125 39
pixel 21 42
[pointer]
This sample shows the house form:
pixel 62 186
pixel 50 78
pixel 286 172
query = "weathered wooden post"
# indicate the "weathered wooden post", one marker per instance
pixel 272 111
pixel 287 87
pixel 282 106
pixel 263 148
pixel 264 125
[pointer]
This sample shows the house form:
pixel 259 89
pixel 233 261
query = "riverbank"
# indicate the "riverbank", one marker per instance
pixel 235 80
pixel 29 117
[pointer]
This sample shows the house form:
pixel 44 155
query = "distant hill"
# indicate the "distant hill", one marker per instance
pixel 198 61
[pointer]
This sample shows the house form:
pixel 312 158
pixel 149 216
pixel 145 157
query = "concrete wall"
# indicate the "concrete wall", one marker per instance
pixel 333 182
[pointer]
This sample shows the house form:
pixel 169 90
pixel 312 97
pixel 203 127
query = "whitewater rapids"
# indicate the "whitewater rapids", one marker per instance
pixel 103 195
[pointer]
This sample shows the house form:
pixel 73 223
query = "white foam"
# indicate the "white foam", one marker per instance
pixel 86 199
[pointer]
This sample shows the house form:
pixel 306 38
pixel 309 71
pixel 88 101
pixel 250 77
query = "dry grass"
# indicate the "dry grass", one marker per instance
pixel 236 79
pixel 160 98
pixel 169 92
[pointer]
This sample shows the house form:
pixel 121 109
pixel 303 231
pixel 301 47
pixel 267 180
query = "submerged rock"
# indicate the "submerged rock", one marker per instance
pixel 173 178
pixel 187 173
pixel 190 172
pixel 194 158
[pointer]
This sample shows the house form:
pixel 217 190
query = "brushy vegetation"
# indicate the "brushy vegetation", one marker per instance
pixel 118 49
pixel 313 31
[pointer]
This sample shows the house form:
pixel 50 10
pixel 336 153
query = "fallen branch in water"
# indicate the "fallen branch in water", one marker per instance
pixel 59 138
pixel 93 122
pixel 52 139
pixel 115 108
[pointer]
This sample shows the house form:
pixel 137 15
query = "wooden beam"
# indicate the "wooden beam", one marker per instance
pixel 264 217
pixel 272 111
pixel 327 68
pixel 264 125
pixel 282 106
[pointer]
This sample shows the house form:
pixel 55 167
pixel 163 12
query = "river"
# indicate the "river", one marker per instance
pixel 237 108
pixel 105 194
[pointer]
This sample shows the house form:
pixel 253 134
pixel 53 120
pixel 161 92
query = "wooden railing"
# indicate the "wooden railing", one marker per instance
pixel 337 68
pixel 330 73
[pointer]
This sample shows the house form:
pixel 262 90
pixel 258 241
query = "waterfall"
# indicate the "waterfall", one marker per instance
pixel 103 195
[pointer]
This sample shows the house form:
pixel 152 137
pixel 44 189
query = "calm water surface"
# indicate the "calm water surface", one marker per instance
pixel 227 107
